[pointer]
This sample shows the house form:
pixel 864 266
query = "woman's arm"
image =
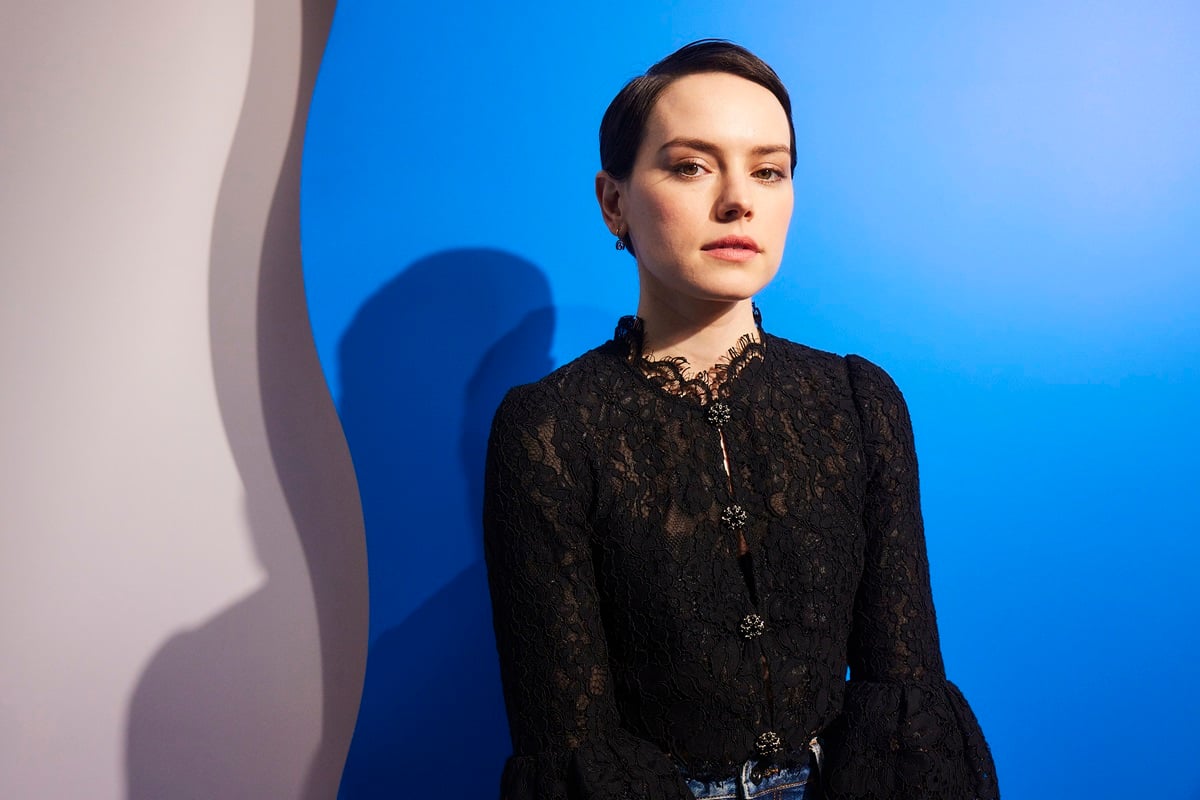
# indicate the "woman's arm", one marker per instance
pixel 567 738
pixel 906 732
pixel 895 631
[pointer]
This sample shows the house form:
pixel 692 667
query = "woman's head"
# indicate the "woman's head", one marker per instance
pixel 697 160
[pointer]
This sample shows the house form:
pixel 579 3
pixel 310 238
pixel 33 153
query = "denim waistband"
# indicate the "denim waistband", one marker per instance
pixel 760 779
pixel 811 754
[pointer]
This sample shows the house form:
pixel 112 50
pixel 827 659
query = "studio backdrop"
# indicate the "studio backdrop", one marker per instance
pixel 998 205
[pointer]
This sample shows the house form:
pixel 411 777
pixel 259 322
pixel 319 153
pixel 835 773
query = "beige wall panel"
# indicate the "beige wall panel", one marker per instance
pixel 182 576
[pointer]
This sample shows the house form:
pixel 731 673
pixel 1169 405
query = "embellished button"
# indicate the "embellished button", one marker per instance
pixel 768 743
pixel 734 516
pixel 752 626
pixel 718 413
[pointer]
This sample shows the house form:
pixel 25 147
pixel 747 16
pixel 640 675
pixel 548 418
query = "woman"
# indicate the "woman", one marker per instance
pixel 693 530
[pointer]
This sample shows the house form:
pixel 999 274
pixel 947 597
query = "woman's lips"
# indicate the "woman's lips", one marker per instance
pixel 732 248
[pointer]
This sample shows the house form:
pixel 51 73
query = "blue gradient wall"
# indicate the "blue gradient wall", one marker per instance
pixel 1000 207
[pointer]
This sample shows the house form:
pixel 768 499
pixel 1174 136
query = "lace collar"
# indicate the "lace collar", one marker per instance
pixel 675 376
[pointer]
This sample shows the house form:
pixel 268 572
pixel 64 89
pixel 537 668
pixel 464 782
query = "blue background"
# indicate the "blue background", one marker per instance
pixel 999 205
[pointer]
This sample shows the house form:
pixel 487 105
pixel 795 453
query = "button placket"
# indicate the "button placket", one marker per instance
pixel 734 517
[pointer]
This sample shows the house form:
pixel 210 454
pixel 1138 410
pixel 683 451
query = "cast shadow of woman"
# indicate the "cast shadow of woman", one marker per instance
pixel 424 365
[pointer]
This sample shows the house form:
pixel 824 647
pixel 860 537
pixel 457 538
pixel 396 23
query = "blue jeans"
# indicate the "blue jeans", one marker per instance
pixel 783 784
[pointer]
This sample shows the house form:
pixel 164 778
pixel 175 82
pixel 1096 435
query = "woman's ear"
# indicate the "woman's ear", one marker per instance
pixel 608 195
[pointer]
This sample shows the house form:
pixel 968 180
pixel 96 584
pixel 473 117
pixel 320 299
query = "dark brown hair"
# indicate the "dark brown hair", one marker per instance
pixel 624 123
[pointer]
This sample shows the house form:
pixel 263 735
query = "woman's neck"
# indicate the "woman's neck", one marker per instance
pixel 701 333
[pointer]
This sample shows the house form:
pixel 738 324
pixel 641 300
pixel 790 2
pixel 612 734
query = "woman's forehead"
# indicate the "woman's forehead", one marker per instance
pixel 717 107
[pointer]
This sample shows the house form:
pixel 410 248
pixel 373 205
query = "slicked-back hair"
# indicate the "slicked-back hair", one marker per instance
pixel 624 124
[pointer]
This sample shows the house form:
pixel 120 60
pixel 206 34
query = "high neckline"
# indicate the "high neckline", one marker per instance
pixel 675 376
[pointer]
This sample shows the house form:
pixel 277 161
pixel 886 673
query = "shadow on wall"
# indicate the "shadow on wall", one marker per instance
pixel 210 710
pixel 260 700
pixel 424 365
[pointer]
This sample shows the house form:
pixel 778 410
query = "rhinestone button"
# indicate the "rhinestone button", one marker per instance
pixel 752 626
pixel 734 516
pixel 768 743
pixel 718 413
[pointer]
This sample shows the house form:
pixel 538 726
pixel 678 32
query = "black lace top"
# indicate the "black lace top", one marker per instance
pixel 683 566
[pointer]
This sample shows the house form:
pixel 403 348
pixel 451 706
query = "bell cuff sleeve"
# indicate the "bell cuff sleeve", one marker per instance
pixel 536 776
pixel 915 741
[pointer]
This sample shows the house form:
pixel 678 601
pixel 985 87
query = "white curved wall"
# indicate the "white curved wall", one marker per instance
pixel 182 582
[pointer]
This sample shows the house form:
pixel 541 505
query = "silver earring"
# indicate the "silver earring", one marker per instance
pixel 620 245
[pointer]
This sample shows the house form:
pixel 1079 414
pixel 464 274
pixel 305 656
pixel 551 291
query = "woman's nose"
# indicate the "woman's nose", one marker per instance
pixel 734 202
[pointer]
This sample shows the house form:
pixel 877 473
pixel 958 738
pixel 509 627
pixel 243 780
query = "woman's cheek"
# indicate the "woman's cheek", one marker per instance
pixel 669 217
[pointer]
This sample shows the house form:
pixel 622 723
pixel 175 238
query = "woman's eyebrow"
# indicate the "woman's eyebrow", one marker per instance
pixel 709 147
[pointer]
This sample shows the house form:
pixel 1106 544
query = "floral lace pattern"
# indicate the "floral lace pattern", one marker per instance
pixel 633 635
pixel 674 375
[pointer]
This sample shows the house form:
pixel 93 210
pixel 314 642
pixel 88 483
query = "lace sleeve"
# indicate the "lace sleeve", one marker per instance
pixel 905 731
pixel 567 738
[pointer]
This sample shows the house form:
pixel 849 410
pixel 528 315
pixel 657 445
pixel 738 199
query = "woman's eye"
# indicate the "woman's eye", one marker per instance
pixel 688 169
pixel 769 174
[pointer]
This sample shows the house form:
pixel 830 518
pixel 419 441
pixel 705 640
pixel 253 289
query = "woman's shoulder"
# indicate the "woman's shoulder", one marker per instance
pixel 850 366
pixel 850 378
pixel 799 353
pixel 562 392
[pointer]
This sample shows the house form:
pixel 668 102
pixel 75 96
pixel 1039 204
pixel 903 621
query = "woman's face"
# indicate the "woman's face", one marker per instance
pixel 709 199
